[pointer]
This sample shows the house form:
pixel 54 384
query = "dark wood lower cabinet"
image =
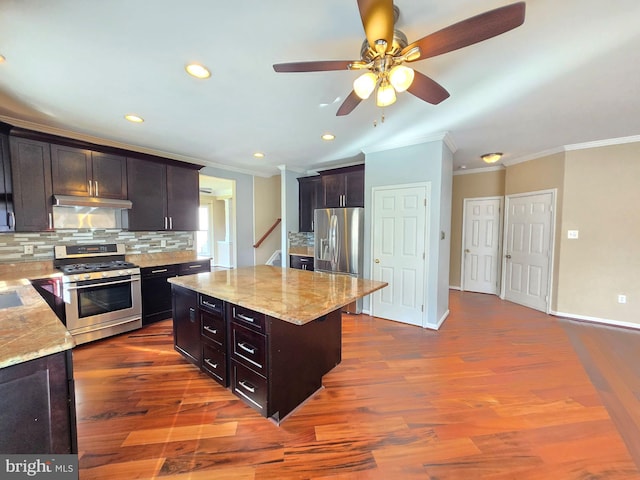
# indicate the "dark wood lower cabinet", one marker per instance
pixel 271 364
pixel 37 406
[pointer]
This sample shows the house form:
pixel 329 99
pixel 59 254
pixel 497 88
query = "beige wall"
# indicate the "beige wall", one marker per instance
pixel 601 201
pixel 468 185
pixel 543 173
pixel 267 208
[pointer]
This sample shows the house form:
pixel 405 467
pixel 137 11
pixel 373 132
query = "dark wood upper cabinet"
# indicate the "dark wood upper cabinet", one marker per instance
pixel 147 191
pixel 183 198
pixel 164 197
pixel 7 215
pixel 31 174
pixel 310 198
pixel 82 172
pixel 343 187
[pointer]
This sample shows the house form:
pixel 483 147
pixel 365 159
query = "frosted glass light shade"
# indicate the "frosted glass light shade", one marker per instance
pixel 365 84
pixel 386 95
pixel 401 77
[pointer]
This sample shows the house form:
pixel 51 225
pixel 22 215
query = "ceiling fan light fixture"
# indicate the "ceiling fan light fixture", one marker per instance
pixel 386 94
pixel 491 157
pixel 401 77
pixel 197 70
pixel 365 84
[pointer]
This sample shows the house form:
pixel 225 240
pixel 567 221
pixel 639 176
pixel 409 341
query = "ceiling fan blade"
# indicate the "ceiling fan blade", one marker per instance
pixel 319 66
pixel 470 31
pixel 427 89
pixel 377 20
pixel 350 103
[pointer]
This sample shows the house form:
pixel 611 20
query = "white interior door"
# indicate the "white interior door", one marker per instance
pixel 481 244
pixel 398 249
pixel 528 249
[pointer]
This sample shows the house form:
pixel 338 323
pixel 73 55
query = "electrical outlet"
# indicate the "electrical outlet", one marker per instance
pixel 28 249
pixel 622 299
pixel 163 243
pixel 572 234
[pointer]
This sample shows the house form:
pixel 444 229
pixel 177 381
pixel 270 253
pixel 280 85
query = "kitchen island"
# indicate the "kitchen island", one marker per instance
pixel 269 333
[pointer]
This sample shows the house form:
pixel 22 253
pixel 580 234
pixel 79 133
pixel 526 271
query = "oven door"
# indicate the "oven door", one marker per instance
pixel 95 304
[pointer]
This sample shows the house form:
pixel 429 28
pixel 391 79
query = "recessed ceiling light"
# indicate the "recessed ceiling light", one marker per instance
pixel 197 70
pixel 328 136
pixel 134 118
pixel 462 167
pixel 258 155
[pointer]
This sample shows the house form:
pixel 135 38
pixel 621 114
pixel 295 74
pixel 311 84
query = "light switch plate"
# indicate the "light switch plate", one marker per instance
pixel 572 234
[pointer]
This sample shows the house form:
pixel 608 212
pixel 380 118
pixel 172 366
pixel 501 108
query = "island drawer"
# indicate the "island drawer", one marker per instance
pixel 214 362
pixel 211 304
pixel 250 387
pixel 247 317
pixel 249 348
pixel 213 327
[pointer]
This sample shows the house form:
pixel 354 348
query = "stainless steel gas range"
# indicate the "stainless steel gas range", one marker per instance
pixel 101 290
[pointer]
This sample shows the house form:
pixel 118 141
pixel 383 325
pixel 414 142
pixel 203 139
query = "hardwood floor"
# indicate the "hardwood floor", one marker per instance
pixel 498 393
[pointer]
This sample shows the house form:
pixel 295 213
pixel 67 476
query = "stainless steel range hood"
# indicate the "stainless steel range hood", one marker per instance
pixel 96 202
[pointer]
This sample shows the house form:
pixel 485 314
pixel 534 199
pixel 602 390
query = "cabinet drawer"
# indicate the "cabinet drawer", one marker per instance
pixel 213 327
pixel 211 304
pixel 301 263
pixel 249 348
pixel 247 317
pixel 159 271
pixel 249 386
pixel 214 362
pixel 194 267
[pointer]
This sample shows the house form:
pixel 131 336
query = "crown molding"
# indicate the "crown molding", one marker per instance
pixel 444 137
pixel 471 171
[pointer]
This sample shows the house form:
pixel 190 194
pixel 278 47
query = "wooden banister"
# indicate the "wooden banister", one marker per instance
pixel 263 238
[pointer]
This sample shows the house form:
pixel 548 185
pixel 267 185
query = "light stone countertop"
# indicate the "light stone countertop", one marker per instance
pixel 301 251
pixel 31 330
pixel 295 296
pixel 164 258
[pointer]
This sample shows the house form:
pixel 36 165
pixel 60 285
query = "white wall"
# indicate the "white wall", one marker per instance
pixel 426 162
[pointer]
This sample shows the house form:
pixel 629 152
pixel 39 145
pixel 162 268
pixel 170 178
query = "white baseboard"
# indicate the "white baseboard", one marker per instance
pixel 603 321
pixel 454 287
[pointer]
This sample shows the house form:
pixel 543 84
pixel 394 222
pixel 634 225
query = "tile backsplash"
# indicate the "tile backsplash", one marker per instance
pixel 12 244
pixel 300 239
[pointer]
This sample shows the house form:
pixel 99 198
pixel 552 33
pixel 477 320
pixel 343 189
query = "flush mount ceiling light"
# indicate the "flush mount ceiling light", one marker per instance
pixel 258 155
pixel 491 157
pixel 197 70
pixel 2 59
pixel 328 137
pixel 134 118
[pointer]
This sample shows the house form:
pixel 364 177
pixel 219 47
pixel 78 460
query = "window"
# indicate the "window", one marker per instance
pixel 204 233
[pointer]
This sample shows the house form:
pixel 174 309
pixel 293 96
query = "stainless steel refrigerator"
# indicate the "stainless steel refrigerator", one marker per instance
pixel 338 244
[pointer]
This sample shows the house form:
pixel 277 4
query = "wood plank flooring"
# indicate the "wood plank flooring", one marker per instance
pixel 498 393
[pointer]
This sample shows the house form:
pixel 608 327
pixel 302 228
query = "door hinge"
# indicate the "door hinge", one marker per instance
pixel 424 202
pixel 423 255
pixel 422 308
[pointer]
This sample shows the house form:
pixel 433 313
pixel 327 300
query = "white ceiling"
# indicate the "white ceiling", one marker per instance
pixel 570 74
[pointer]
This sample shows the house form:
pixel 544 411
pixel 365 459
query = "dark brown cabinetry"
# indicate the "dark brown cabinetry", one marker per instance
pixel 31 174
pixel 186 324
pixel 37 407
pixel 301 262
pixel 7 215
pixel 165 197
pixel 310 198
pixel 214 338
pixel 156 291
pixel 343 187
pixel 82 172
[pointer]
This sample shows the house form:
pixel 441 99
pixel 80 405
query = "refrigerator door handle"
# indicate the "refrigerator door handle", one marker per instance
pixel 333 241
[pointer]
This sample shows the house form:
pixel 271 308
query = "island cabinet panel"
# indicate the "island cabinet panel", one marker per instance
pixel 214 338
pixel 186 324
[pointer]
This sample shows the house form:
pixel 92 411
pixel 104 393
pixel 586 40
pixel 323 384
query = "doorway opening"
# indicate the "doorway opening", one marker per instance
pixel 216 235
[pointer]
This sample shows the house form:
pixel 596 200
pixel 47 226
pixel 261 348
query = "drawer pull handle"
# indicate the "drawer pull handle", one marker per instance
pixel 195 266
pixel 159 271
pixel 212 305
pixel 245 318
pixel 248 349
pixel 213 365
pixel 211 330
pixel 247 386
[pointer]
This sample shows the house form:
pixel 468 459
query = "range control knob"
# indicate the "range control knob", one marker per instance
pixel 87 276
pixel 121 272
pixel 105 274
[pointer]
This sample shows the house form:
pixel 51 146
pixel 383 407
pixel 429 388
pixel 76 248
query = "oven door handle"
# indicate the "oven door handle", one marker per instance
pixel 102 284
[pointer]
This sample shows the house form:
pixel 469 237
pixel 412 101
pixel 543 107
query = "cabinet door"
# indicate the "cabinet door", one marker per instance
pixel 71 171
pixel 109 175
pixel 186 324
pixel 31 174
pixel 183 198
pixel 146 184
pixel 309 199
pixel 7 216
pixel 354 189
pixel 156 293
pixel 332 190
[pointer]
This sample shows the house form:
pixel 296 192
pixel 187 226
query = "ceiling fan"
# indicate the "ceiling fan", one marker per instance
pixel 385 50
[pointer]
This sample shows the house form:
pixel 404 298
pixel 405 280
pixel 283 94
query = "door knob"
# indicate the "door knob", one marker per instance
pixel 466 250
pixel 507 256
pixel 377 260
